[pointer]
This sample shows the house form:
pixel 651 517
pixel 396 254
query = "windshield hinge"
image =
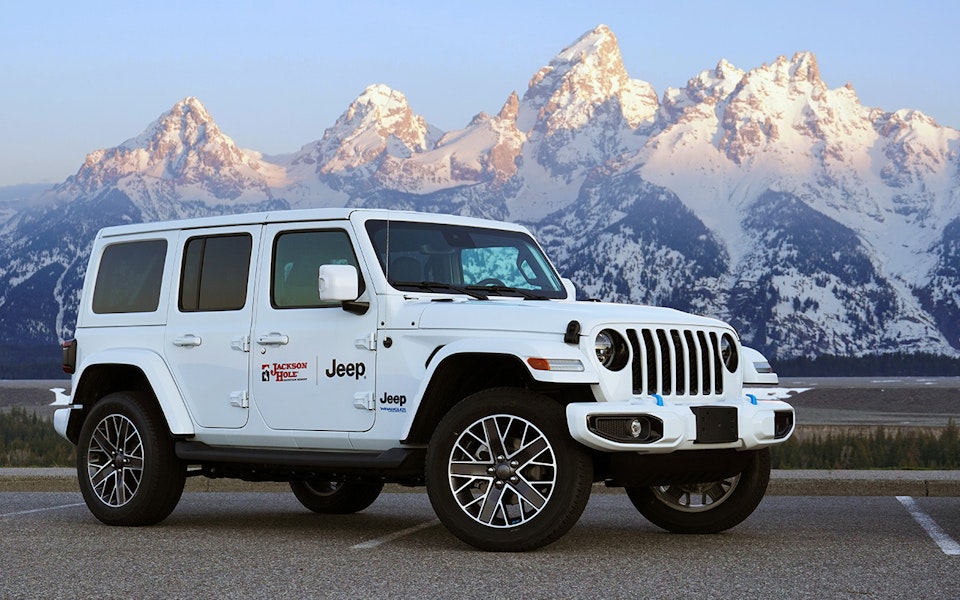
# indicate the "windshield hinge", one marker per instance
pixel 366 342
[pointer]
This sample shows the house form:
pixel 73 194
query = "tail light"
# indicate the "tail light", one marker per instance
pixel 70 356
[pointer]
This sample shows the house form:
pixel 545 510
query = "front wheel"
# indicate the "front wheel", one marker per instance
pixel 128 471
pixel 503 473
pixel 335 497
pixel 708 507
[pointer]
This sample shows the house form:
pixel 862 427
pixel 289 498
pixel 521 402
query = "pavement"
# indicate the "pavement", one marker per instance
pixel 782 483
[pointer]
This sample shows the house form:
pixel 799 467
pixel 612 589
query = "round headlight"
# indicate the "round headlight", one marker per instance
pixel 611 350
pixel 728 352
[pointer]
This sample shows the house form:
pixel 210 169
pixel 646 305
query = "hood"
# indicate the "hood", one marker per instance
pixel 550 317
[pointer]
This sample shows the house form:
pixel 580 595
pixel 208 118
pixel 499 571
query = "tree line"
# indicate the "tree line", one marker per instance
pixel 896 364
pixel 872 448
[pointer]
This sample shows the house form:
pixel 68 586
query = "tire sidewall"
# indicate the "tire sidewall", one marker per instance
pixel 163 476
pixel 733 510
pixel 349 497
pixel 574 476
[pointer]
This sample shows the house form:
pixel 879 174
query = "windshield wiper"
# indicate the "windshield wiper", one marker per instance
pixel 433 286
pixel 503 289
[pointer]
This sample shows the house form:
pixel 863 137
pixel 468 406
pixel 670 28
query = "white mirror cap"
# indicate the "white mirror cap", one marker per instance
pixel 757 370
pixel 338 283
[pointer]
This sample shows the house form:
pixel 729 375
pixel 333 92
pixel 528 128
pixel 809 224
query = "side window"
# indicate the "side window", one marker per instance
pixel 129 277
pixel 297 257
pixel 215 273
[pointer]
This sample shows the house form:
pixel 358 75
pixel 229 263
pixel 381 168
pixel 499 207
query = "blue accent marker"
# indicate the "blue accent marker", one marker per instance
pixel 753 399
pixel 659 399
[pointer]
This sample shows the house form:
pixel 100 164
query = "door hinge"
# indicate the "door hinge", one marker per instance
pixel 366 342
pixel 241 343
pixel 240 399
pixel 364 401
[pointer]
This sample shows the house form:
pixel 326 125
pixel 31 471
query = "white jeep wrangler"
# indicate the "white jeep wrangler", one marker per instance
pixel 340 349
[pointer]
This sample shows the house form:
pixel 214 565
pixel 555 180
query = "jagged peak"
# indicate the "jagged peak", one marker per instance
pixel 510 108
pixel 599 40
pixel 593 57
pixel 186 121
pixel 803 65
pixel 727 70
pixel 377 99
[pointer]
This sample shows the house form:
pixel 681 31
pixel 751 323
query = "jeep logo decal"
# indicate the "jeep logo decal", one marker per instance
pixel 355 370
pixel 391 403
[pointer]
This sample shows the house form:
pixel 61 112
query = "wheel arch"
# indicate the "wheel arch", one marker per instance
pixel 133 371
pixel 459 375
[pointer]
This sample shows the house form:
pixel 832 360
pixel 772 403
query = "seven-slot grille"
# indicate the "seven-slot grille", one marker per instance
pixel 676 362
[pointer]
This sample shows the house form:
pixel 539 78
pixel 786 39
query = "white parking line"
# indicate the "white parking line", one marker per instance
pixel 395 535
pixel 949 546
pixel 36 510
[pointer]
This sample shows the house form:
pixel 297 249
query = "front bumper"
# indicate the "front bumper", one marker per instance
pixel 657 426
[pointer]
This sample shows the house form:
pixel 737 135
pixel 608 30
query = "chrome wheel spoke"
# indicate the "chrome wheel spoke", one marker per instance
pixel 491 503
pixel 530 494
pixel 470 469
pixel 531 451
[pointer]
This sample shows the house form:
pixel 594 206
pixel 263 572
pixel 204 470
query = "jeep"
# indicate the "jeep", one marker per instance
pixel 339 350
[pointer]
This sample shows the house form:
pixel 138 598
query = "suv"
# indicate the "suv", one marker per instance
pixel 340 349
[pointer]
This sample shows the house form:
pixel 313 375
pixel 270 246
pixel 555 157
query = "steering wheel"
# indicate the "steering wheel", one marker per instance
pixel 491 281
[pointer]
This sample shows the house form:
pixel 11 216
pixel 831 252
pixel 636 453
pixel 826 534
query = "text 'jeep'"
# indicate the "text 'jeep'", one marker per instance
pixel 341 349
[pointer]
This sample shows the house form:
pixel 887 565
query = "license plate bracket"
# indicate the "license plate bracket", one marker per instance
pixel 716 424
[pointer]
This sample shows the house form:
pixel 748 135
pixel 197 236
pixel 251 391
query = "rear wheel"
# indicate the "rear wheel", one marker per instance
pixel 503 473
pixel 128 471
pixel 707 507
pixel 335 497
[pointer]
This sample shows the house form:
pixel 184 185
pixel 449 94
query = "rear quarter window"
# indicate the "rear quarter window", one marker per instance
pixel 130 277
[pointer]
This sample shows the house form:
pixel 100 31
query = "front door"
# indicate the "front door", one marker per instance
pixel 208 323
pixel 313 362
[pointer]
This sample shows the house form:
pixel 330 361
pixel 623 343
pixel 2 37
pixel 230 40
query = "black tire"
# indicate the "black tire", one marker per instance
pixel 524 490
pixel 128 471
pixel 706 507
pixel 336 497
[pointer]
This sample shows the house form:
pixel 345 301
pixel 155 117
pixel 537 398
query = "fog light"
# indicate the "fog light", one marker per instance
pixel 640 429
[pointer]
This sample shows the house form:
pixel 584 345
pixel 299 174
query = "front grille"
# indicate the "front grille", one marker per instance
pixel 676 362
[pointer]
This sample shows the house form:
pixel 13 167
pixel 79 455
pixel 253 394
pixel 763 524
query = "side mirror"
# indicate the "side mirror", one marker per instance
pixel 338 283
pixel 757 371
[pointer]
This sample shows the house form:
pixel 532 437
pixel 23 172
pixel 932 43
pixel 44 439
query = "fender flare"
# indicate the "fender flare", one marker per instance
pixel 157 374
pixel 508 347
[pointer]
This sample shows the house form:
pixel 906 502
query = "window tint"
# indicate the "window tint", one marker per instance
pixel 297 257
pixel 129 277
pixel 215 273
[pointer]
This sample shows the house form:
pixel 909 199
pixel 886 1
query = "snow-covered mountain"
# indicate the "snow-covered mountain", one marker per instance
pixel 815 224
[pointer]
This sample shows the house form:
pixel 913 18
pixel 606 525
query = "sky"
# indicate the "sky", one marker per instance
pixel 79 76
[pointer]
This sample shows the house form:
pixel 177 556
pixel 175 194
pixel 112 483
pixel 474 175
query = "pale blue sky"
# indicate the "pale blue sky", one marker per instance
pixel 79 76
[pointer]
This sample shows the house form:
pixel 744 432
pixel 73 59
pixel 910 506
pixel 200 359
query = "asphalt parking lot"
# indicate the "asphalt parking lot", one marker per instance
pixel 246 544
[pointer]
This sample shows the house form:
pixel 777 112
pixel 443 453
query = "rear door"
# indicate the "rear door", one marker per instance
pixel 208 324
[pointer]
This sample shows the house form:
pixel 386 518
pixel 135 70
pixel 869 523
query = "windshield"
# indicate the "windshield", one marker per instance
pixel 479 262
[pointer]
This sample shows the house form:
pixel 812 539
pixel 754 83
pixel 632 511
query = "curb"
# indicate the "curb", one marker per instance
pixel 782 483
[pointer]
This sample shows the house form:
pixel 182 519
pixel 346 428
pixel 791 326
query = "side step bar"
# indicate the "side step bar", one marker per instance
pixel 407 460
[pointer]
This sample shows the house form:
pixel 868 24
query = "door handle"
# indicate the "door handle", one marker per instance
pixel 188 341
pixel 273 339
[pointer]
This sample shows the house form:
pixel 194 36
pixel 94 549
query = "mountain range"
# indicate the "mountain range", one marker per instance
pixel 814 224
